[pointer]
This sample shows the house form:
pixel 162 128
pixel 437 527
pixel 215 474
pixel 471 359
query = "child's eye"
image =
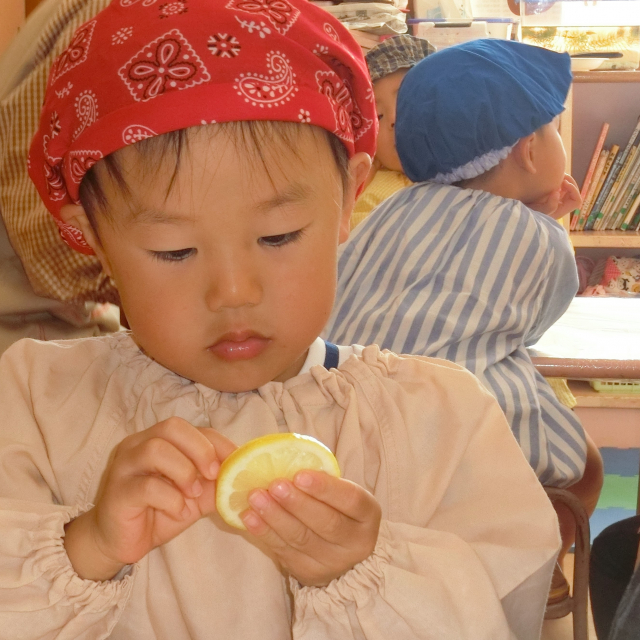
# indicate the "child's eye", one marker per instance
pixel 173 256
pixel 281 239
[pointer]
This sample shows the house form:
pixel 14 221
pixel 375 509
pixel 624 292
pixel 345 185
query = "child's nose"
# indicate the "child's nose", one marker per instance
pixel 233 284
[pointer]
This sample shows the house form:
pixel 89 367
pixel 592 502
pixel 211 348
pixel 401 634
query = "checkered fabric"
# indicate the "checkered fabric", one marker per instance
pixel 54 269
pixel 398 52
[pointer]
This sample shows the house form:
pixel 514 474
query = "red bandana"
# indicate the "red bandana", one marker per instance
pixel 141 68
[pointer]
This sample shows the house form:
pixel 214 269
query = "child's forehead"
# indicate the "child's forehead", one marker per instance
pixel 390 83
pixel 254 144
pixel 134 72
pixel 273 164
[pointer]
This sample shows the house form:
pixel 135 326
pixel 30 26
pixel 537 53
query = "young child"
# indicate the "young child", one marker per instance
pixel 388 64
pixel 210 156
pixel 457 266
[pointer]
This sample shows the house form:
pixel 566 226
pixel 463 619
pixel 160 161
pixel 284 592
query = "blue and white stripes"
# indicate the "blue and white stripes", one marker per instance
pixel 473 278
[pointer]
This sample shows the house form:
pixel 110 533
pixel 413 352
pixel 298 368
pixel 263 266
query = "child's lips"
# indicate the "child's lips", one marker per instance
pixel 241 345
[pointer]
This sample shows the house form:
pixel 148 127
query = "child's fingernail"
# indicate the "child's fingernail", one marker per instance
pixel 258 500
pixel 213 469
pixel 250 520
pixel 196 489
pixel 303 479
pixel 280 489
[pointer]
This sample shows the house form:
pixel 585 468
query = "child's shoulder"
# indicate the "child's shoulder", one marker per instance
pixel 60 360
pixel 415 402
pixel 461 208
pixel 78 347
pixel 402 376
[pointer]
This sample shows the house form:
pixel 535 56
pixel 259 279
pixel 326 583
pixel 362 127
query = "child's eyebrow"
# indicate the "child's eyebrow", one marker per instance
pixel 150 216
pixel 293 193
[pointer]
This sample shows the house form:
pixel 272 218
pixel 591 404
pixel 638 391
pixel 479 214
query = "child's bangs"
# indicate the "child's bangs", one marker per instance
pixel 261 141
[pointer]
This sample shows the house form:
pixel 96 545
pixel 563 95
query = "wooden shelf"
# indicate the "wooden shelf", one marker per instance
pixel 606 76
pixel 614 239
pixel 587 396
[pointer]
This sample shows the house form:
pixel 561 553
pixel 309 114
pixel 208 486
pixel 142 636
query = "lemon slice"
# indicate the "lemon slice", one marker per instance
pixel 256 464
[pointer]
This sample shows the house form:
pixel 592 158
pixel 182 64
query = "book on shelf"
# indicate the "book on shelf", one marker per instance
pixel 594 159
pixel 609 209
pixel 631 207
pixel 606 171
pixel 626 194
pixel 612 154
pixel 595 156
pixel 634 214
pixel 579 219
pixel 603 196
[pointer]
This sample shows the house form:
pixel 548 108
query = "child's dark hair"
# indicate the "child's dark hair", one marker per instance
pixel 250 134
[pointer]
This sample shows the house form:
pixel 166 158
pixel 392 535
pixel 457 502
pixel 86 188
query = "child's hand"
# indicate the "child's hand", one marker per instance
pixel 319 527
pixel 560 202
pixel 158 483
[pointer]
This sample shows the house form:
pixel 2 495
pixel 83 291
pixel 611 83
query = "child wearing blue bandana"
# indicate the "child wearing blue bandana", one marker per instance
pixel 457 266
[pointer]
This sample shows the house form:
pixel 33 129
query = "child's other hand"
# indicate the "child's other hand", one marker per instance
pixel 319 526
pixel 560 202
pixel 158 483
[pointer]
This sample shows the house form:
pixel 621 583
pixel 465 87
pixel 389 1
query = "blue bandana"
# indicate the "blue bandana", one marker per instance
pixel 461 110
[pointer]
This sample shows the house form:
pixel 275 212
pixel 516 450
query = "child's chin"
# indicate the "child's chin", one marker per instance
pixel 242 383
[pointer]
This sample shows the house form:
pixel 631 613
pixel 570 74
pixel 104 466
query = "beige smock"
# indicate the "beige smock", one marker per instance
pixel 465 550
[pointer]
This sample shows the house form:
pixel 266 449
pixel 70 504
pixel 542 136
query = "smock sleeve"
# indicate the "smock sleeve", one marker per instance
pixel 469 539
pixel 560 279
pixel 41 596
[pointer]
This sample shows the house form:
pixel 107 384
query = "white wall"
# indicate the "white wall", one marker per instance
pixel 595 103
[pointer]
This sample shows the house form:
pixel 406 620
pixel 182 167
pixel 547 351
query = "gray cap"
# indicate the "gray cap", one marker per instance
pixel 398 52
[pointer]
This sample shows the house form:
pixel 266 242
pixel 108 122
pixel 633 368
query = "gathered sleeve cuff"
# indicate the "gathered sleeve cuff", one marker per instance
pixel 41 594
pixel 418 583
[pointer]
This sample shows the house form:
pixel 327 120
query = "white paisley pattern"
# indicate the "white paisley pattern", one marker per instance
pixel 272 89
pixel 86 105
pixel 136 132
pixel 330 30
pixel 80 162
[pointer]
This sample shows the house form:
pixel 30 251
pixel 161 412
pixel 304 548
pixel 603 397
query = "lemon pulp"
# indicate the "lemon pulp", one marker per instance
pixel 256 464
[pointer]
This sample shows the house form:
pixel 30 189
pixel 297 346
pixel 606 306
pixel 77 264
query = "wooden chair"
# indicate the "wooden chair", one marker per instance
pixel 577 602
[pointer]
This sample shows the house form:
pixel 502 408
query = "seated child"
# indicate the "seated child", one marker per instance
pixel 456 266
pixel 210 158
pixel 388 64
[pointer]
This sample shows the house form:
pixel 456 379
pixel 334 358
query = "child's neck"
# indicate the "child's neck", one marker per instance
pixel 507 180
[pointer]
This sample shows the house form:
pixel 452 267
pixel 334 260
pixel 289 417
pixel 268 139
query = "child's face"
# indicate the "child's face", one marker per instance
pixel 549 157
pixel 229 278
pixel 385 91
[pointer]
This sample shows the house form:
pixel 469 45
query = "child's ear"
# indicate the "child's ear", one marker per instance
pixel 359 167
pixel 524 153
pixel 75 215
